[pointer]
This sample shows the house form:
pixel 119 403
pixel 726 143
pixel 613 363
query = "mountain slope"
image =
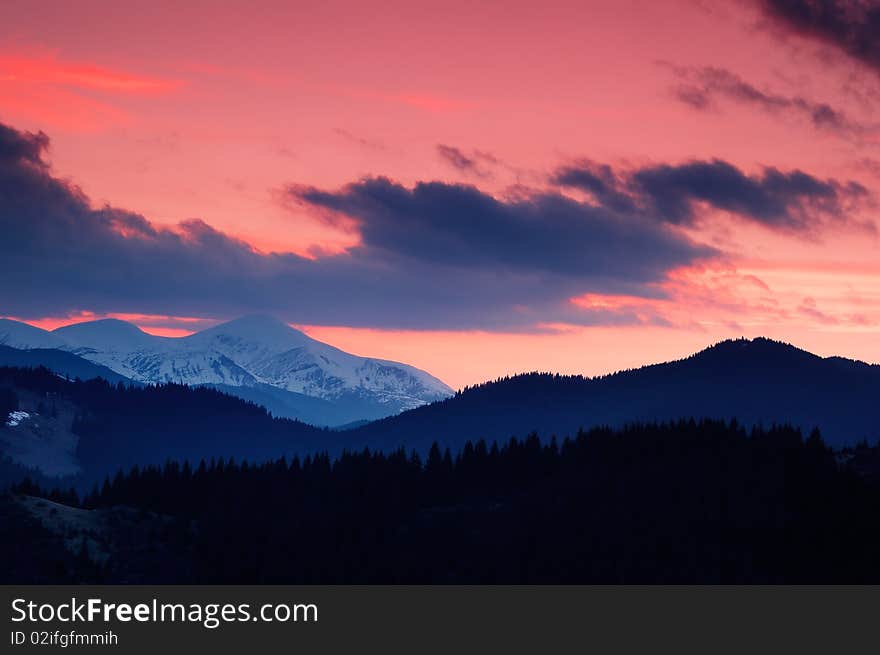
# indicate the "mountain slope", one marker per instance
pixel 59 361
pixel 256 357
pixel 315 411
pixel 754 381
pixel 94 428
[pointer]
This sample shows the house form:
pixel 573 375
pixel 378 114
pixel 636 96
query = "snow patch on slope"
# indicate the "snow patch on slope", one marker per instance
pixel 15 418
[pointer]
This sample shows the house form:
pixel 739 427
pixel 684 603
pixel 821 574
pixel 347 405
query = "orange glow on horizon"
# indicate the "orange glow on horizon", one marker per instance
pixel 157 325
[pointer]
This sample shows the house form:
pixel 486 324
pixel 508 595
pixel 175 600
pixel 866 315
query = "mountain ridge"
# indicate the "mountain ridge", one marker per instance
pixel 756 381
pixel 252 353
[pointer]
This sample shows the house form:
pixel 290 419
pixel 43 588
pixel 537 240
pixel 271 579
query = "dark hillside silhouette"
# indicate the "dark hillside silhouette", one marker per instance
pixel 121 426
pixel 30 554
pixel 755 381
pixel 689 502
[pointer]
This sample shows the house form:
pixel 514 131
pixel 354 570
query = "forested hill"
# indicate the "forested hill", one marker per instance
pixel 120 426
pixel 689 502
pixel 755 381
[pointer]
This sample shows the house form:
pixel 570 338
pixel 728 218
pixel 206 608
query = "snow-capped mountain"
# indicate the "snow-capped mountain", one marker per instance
pixel 254 356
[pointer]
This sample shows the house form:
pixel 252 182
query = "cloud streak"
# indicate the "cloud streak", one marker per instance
pixel 476 164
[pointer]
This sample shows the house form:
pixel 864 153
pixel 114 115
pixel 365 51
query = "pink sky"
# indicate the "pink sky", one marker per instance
pixel 175 112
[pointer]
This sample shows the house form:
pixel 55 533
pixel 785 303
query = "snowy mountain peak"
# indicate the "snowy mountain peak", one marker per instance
pixel 263 333
pixel 256 324
pixel 249 353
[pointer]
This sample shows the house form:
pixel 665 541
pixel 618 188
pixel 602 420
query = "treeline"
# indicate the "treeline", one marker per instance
pixel 12 472
pixel 8 403
pixel 684 502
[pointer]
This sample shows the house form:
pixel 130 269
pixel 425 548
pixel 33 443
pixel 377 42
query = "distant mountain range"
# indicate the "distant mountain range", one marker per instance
pixel 99 430
pixel 757 381
pixel 257 358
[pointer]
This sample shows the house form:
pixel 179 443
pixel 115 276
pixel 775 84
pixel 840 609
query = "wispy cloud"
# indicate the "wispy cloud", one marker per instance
pixel 363 142
pixel 476 163
pixel 705 88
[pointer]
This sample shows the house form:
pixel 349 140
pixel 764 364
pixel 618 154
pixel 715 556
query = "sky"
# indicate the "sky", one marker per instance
pixel 477 189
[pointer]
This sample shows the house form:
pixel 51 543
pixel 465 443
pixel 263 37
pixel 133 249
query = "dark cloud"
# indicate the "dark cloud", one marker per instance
pixel 599 180
pixel 462 227
pixel 701 88
pixel 791 200
pixel 435 256
pixel 851 26
pixel 21 147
